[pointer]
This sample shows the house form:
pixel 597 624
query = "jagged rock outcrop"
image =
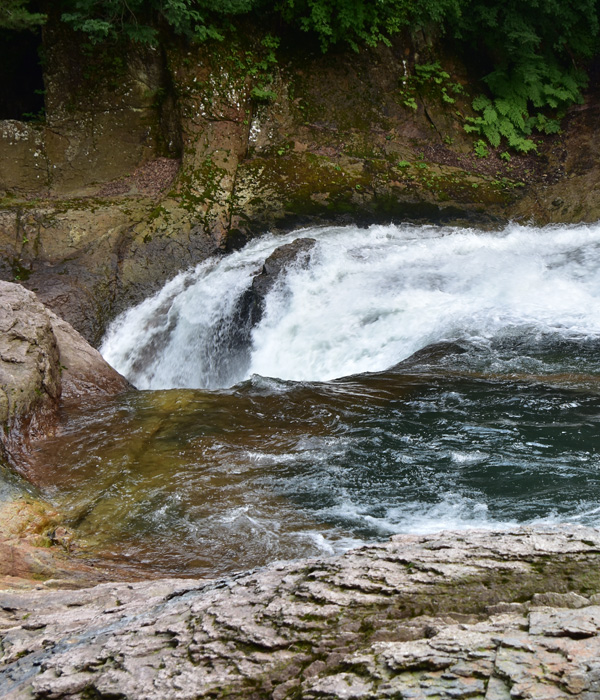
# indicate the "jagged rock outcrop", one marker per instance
pixel 43 361
pixel 281 259
pixel 488 615
pixel 233 335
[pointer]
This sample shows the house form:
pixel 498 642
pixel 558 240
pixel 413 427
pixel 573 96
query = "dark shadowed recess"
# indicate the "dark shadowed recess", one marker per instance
pixel 22 93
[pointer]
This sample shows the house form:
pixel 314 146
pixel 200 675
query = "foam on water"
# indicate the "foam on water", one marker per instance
pixel 369 299
pixel 288 460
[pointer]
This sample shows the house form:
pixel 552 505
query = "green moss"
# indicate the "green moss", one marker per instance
pixel 157 212
pixel 20 272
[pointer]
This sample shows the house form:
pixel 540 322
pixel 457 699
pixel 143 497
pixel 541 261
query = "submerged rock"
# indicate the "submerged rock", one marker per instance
pixel 43 362
pixel 35 545
pixel 433 354
pixel 296 253
pixel 463 615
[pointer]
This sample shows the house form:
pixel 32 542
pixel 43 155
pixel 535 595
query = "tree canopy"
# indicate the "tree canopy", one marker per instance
pixel 18 15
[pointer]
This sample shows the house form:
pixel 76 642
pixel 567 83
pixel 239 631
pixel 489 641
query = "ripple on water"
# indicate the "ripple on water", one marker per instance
pixel 235 479
pixel 325 437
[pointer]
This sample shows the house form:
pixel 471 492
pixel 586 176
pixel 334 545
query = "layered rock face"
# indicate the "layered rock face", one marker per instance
pixel 487 615
pixel 43 362
pixel 147 169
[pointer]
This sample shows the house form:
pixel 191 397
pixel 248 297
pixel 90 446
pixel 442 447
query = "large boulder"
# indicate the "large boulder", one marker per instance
pixel 43 362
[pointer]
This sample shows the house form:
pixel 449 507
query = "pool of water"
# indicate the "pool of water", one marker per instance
pixel 321 435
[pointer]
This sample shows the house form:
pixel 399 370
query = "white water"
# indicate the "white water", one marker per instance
pixel 370 298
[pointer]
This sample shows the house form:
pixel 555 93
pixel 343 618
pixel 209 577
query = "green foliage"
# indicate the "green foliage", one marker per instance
pixel 481 149
pixel 409 101
pixel 15 15
pixel 432 74
pixel 262 94
pixel 519 101
pixel 258 65
pixel 529 51
pixel 532 47
pixel 138 20
pixel 359 22
pixel 430 77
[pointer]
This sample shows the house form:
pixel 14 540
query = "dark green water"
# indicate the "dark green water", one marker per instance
pixel 185 481
pixel 499 425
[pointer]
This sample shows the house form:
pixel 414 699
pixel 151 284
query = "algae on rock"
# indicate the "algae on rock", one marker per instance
pixel 94 218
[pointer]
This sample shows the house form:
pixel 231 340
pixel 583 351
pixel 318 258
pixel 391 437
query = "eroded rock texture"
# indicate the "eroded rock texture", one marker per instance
pixel 455 615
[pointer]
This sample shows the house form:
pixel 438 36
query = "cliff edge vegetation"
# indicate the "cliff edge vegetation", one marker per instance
pixel 151 135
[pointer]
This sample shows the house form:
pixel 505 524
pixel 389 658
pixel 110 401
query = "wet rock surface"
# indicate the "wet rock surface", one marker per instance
pixel 35 545
pixel 43 361
pixel 433 354
pixel 489 615
pixel 294 254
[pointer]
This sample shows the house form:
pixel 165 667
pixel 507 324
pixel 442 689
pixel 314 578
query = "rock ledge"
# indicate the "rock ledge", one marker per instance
pixel 488 615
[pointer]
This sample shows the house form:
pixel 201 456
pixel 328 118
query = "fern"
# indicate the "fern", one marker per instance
pixel 430 76
pixel 535 46
pixel 531 47
pixel 519 101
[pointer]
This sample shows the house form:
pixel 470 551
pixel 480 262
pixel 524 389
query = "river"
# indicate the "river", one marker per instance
pixel 320 429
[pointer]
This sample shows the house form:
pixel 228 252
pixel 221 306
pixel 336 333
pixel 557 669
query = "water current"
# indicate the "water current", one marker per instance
pixel 319 428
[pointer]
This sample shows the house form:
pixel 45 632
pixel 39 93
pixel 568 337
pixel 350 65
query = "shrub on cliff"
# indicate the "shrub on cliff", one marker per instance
pixel 530 50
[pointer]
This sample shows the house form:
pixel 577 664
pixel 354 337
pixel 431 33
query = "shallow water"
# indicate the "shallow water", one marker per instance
pixel 498 429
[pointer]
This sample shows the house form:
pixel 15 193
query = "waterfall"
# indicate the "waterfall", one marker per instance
pixel 466 393
pixel 368 300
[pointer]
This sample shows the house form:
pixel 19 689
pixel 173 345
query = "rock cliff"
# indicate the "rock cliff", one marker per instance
pixel 151 161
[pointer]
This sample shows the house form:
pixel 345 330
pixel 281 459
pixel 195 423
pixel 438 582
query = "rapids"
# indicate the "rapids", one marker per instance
pixel 369 299
pixel 317 430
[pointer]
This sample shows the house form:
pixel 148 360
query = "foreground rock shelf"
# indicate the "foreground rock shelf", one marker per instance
pixel 492 615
